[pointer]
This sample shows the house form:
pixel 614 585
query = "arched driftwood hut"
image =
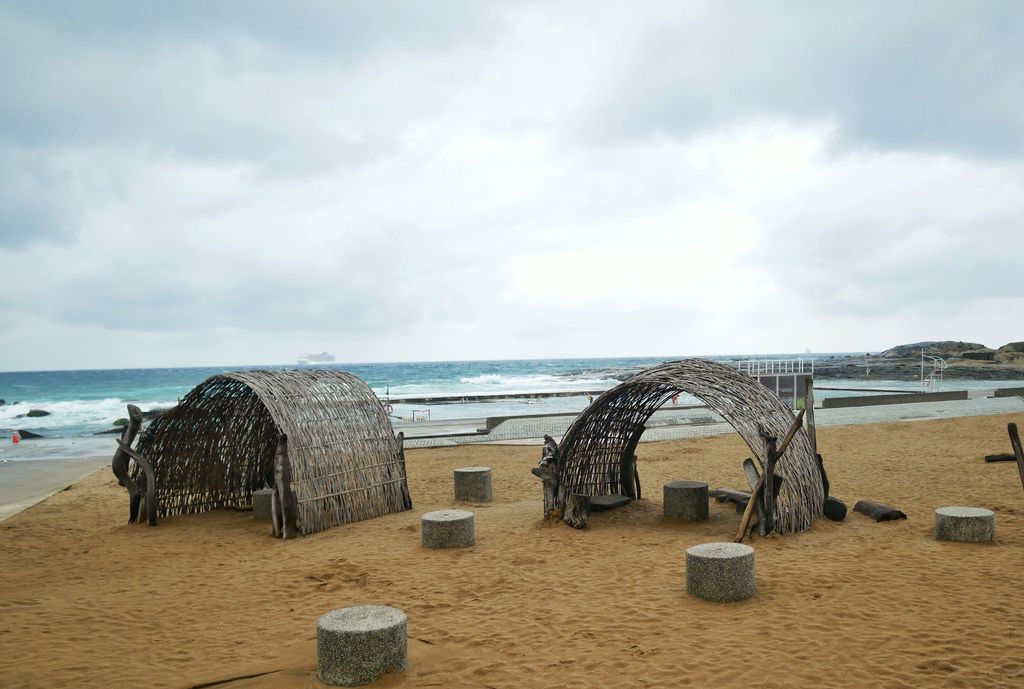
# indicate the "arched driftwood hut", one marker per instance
pixel 595 455
pixel 220 443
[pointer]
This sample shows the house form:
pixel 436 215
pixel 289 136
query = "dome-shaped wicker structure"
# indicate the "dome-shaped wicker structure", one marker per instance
pixel 219 444
pixel 593 450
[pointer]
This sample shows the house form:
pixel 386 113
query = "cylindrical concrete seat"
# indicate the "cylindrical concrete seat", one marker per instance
pixel 355 646
pixel 966 524
pixel 686 500
pixel 473 484
pixel 448 529
pixel 720 572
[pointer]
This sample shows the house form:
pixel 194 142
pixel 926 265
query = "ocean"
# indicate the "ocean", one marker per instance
pixel 84 403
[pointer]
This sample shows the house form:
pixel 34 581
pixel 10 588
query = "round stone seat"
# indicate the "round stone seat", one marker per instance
pixel 965 524
pixel 473 484
pixel 686 500
pixel 720 572
pixel 448 529
pixel 356 645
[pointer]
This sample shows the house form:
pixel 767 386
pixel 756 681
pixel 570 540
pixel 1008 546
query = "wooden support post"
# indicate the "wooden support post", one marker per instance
pixel 768 485
pixel 282 506
pixel 119 464
pixel 812 432
pixel 577 510
pixel 406 496
pixel 1011 428
pixel 627 476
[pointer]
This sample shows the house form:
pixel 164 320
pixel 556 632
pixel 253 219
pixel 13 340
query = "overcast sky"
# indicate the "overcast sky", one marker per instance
pixel 203 183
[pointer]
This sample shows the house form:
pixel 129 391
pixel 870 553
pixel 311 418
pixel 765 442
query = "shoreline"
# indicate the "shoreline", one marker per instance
pixel 48 466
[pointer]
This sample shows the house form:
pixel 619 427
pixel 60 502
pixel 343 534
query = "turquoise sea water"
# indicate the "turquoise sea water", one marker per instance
pixel 81 403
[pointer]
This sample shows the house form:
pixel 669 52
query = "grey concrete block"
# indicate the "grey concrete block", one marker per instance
pixel 686 500
pixel 966 524
pixel 261 504
pixel 720 572
pixel 473 484
pixel 448 529
pixel 356 645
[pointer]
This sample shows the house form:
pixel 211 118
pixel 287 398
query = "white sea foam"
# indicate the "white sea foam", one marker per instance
pixel 87 413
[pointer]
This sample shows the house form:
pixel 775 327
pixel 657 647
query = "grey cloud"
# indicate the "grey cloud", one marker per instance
pixel 926 76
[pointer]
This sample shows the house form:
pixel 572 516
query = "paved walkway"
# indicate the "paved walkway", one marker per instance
pixel 701 422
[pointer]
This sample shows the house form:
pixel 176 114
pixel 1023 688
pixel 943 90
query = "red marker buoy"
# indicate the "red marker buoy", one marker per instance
pixel 16 438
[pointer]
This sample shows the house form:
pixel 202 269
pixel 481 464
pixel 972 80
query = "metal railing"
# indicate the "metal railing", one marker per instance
pixel 775 367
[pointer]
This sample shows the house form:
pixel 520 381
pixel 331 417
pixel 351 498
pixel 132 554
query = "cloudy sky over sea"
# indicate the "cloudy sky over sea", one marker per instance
pixel 213 183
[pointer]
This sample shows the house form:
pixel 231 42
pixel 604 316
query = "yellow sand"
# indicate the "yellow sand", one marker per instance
pixel 88 601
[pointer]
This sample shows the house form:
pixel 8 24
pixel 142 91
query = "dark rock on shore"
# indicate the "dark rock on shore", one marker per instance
pixel 903 362
pixel 109 430
pixel 35 413
pixel 154 414
pixel 943 348
pixel 26 435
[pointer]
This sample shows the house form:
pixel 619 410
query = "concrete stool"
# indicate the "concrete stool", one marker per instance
pixel 261 504
pixel 720 572
pixel 473 484
pixel 686 500
pixel 967 524
pixel 355 646
pixel 448 529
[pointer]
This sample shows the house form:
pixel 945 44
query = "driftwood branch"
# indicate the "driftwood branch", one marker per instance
pixel 766 482
pixel 145 503
pixel 878 511
pixel 1011 428
pixel 119 464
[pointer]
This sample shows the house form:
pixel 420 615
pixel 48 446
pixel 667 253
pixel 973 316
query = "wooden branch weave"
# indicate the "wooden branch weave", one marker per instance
pixel 592 450
pixel 219 445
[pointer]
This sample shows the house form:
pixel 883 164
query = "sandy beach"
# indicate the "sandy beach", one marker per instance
pixel 90 601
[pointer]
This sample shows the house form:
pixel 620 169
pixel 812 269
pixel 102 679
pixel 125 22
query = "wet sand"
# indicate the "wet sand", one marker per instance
pixel 90 601
pixel 23 483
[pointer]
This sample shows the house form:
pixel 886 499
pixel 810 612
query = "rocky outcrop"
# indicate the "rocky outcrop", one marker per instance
pixel 35 413
pixel 944 348
pixel 26 435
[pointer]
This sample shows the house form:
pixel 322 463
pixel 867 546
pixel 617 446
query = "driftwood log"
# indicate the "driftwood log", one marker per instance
pixel 878 511
pixel 119 464
pixel 729 495
pixel 577 510
pixel 1001 457
pixel 547 472
pixel 282 503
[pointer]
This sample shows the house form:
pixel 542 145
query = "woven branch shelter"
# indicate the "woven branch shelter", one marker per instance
pixel 597 446
pixel 219 445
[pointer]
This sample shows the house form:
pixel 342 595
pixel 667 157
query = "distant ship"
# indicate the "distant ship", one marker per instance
pixel 321 358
